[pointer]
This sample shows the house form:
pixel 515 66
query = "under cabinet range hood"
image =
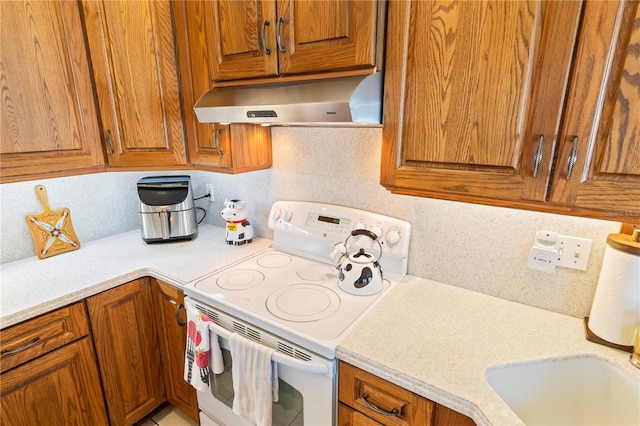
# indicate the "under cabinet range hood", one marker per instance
pixel 354 101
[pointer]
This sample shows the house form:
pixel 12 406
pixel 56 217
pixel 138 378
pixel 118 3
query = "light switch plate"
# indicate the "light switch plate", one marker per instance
pixel 573 252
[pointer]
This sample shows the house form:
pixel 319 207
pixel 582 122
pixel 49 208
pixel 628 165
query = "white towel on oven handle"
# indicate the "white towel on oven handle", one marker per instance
pixel 202 351
pixel 255 379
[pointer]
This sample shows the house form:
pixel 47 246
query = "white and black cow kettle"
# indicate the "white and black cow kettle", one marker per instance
pixel 359 270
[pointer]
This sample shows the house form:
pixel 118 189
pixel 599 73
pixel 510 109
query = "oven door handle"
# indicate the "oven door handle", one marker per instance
pixel 280 358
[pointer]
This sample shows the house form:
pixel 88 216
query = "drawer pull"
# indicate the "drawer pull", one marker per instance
pixel 538 158
pixel 21 348
pixel 216 142
pixel 278 39
pixel 572 157
pixel 378 410
pixel 266 50
pixel 179 308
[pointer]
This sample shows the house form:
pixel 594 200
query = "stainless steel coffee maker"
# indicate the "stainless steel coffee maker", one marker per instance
pixel 167 211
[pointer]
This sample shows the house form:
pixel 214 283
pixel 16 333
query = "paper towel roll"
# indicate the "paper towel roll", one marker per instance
pixel 615 313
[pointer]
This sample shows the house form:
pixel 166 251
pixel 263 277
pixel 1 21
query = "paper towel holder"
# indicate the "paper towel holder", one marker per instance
pixel 629 243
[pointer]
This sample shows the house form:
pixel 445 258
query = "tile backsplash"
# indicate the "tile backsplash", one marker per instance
pixel 481 248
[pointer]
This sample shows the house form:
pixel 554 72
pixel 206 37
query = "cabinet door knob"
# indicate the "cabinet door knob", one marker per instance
pixel 538 158
pixel 267 51
pixel 365 398
pixel 573 157
pixel 278 24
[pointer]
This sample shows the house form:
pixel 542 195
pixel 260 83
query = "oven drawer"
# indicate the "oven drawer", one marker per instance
pixel 38 336
pixel 380 400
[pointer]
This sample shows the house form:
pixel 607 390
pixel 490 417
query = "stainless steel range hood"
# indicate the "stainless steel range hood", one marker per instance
pixel 333 102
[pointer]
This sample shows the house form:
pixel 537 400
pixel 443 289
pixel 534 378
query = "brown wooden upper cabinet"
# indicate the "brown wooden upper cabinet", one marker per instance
pixel 231 148
pixel 136 76
pixel 522 104
pixel 49 119
pixel 261 38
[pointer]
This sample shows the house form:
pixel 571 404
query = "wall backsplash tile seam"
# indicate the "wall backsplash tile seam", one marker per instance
pixel 481 248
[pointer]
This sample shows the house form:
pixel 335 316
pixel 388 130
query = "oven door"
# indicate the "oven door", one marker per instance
pixel 307 388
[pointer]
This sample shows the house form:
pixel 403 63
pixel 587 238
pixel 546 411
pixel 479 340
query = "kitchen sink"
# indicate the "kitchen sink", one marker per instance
pixel 568 391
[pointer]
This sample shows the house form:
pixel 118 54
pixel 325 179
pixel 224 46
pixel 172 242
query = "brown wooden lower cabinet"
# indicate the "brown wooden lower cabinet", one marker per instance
pixel 366 399
pixel 49 372
pixel 126 339
pixel 172 333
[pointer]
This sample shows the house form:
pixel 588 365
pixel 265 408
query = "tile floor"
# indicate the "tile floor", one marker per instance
pixel 168 416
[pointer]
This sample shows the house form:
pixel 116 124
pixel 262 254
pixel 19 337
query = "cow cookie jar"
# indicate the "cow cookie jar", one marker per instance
pixel 239 230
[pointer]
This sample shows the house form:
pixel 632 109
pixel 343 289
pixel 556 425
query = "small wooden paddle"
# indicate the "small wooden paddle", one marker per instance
pixel 51 230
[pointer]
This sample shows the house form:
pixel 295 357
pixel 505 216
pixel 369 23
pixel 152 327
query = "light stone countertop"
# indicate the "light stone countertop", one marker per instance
pixel 439 340
pixel 431 338
pixel 32 286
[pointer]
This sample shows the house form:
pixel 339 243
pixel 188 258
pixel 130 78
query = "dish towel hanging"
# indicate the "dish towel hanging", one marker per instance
pixel 202 348
pixel 255 379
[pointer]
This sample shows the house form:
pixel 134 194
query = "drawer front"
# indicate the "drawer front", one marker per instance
pixel 347 416
pixel 30 339
pixel 382 401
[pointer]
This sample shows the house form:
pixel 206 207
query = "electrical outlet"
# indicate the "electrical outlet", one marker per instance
pixel 209 187
pixel 551 249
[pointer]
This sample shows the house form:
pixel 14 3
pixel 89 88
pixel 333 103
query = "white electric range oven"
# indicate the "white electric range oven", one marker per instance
pixel 287 297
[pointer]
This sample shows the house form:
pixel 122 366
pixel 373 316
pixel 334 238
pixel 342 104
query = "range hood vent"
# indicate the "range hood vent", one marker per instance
pixel 333 102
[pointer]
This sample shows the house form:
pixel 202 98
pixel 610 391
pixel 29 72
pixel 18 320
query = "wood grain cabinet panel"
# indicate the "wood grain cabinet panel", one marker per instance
pixel 361 390
pixel 169 308
pixel 49 371
pixel 135 66
pixel 483 101
pixel 603 116
pixel 45 333
pixel 459 95
pixel 263 38
pixel 234 148
pixel 60 388
pixel 125 334
pixel 367 400
pixel 49 124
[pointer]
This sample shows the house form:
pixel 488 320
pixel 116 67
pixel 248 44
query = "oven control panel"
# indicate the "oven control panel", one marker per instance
pixel 328 224
pixel 315 228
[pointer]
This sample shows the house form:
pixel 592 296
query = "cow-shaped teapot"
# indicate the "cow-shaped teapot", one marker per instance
pixel 239 230
pixel 360 272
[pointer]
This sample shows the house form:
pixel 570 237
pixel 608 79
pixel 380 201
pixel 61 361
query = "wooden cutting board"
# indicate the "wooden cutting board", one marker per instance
pixel 51 230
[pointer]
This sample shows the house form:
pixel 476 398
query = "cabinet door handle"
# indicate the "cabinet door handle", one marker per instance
pixel 538 159
pixel 278 39
pixel 178 309
pixel 21 348
pixel 216 142
pixel 573 157
pixel 379 410
pixel 267 51
pixel 109 143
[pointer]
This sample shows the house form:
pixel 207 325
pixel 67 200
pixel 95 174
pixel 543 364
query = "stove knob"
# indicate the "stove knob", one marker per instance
pixel 393 237
pixel 277 214
pixel 377 230
pixel 359 225
pixel 286 216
